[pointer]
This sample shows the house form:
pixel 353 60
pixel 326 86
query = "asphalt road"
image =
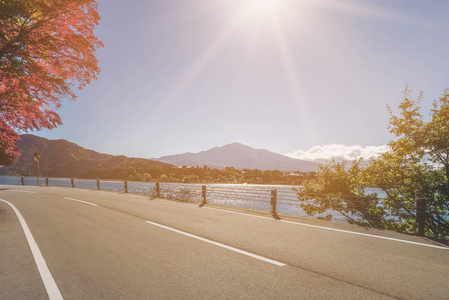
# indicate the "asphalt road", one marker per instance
pixel 133 247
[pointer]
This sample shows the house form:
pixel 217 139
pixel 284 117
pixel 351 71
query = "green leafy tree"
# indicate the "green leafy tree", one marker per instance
pixel 342 189
pixel 416 165
pixel 147 177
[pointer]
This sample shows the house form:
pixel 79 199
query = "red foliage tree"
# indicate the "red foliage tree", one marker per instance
pixel 47 47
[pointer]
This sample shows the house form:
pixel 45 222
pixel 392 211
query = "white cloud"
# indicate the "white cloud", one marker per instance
pixel 340 152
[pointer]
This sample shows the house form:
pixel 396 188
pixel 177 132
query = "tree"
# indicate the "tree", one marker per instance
pixel 147 177
pixel 342 189
pixel 47 47
pixel 416 165
pixel 8 146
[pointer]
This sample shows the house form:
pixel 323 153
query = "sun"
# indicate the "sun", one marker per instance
pixel 258 7
pixel 263 4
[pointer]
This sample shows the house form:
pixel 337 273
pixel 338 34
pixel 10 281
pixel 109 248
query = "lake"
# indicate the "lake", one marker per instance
pixel 249 196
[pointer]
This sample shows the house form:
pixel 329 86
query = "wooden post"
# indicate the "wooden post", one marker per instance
pixel 126 186
pixel 73 183
pixel 421 215
pixel 98 184
pixel 23 182
pixel 273 201
pixel 46 181
pixel 158 189
pixel 203 195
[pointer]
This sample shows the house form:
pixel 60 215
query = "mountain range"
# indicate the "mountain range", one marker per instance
pixel 61 158
pixel 240 156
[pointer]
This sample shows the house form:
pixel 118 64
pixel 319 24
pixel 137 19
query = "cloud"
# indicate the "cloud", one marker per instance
pixel 340 152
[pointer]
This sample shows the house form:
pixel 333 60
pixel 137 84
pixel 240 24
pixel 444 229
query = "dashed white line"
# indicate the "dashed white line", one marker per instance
pixel 331 229
pixel 73 199
pixel 20 191
pixel 220 245
pixel 49 283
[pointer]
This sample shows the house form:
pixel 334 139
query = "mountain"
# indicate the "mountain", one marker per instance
pixel 240 156
pixel 60 158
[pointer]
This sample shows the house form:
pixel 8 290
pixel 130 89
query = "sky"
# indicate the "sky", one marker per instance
pixel 307 78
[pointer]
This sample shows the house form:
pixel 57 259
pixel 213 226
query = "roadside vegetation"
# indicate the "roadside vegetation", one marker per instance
pixel 205 174
pixel 416 166
pixel 47 48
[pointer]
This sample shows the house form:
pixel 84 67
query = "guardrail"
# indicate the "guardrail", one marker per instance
pixel 259 197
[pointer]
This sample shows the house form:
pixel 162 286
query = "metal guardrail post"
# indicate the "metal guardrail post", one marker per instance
pixel 421 215
pixel 126 186
pixel 73 183
pixel 203 195
pixel 98 184
pixel 46 181
pixel 23 182
pixel 273 201
pixel 158 189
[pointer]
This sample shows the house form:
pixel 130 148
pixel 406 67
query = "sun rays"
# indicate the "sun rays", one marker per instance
pixel 274 20
pixel 262 7
pixel 248 15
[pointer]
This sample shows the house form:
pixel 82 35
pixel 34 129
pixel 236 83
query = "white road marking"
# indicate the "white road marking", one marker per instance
pixel 333 229
pixel 243 214
pixel 325 228
pixel 177 202
pixel 80 201
pixel 20 191
pixel 368 235
pixel 49 283
pixel 220 245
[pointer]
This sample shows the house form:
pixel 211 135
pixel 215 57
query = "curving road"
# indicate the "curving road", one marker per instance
pixel 104 245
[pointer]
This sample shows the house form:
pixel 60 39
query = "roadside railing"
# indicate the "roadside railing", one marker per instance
pixel 274 199
pixel 257 197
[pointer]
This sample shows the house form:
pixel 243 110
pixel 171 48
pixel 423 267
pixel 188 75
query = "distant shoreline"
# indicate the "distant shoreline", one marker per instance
pixel 151 181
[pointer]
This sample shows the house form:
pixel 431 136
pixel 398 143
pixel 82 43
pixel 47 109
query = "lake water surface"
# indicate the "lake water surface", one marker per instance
pixel 248 196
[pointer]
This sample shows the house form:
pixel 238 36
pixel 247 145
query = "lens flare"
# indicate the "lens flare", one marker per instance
pixel 258 7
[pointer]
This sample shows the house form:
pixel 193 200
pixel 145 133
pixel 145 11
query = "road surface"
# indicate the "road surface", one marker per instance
pixel 106 245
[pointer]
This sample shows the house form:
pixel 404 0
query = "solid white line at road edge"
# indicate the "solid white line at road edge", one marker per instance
pixel 80 201
pixel 220 245
pixel 334 229
pixel 49 282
